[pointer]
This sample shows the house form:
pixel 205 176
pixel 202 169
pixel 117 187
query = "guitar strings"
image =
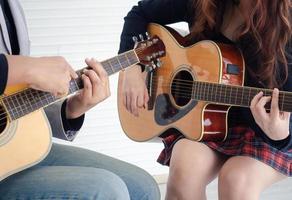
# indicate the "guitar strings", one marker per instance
pixel 186 89
pixel 182 92
pixel 177 93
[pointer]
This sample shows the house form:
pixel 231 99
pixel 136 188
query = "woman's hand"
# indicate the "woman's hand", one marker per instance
pixel 49 74
pixel 275 123
pixel 135 93
pixel 96 89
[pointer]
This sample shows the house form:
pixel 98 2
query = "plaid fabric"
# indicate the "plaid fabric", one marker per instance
pixel 240 141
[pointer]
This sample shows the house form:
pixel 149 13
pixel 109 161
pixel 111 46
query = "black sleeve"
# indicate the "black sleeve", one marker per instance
pixel 157 11
pixel 286 144
pixel 3 73
pixel 71 124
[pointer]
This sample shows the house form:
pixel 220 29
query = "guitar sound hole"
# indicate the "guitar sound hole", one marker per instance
pixel 182 87
pixel 3 119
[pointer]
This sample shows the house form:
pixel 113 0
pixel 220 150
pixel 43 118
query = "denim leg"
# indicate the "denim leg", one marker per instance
pixel 75 166
pixel 140 184
pixel 59 182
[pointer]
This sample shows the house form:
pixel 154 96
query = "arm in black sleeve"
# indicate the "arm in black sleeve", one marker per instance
pixel 286 144
pixel 3 73
pixel 71 124
pixel 157 11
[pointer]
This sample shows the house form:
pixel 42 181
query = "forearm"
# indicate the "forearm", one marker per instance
pixel 158 11
pixel 19 69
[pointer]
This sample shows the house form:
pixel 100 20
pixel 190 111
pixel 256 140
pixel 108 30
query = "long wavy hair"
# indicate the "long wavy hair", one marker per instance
pixel 264 36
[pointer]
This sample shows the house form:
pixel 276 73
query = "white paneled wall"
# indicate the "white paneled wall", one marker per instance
pixel 77 29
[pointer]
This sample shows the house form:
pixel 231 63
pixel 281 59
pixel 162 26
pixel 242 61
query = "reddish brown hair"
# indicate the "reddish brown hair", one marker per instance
pixel 267 27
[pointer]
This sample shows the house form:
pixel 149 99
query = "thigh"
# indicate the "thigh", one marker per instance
pixel 58 182
pixel 248 173
pixel 140 184
pixel 194 164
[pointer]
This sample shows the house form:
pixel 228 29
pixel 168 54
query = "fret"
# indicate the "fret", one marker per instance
pixel 119 63
pixel 11 108
pixel 287 106
pixel 207 92
pixel 37 99
pixel 51 98
pixel 224 88
pixel 230 96
pixel 203 92
pixel 236 96
pixel 22 107
pixel 199 91
pixel 124 61
pixel 75 84
pixel 215 93
pixel 282 100
pixel 8 107
pixel 132 57
pixel 115 63
pixel 128 61
pixel 32 100
pixel 46 100
pixel 220 93
pixel 40 96
pixel 245 96
pixel 108 64
pixel 211 92
pixel 73 87
pixel 28 102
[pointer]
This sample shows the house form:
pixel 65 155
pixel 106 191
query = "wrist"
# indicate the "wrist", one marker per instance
pixel 29 70
pixel 71 110
pixel 19 72
pixel 279 136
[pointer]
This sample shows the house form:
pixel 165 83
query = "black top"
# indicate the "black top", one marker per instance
pixel 13 41
pixel 69 124
pixel 171 11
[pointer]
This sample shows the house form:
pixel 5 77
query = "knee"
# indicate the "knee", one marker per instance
pixel 141 185
pixel 102 184
pixel 234 183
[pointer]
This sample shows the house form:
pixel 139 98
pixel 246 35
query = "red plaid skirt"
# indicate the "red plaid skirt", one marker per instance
pixel 240 141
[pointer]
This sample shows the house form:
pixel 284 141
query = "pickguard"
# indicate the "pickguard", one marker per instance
pixel 166 113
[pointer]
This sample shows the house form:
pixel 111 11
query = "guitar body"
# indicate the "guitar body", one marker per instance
pixel 170 105
pixel 23 142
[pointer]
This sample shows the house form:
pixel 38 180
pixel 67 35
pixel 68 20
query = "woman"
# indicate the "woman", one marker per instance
pixel 67 172
pixel 258 150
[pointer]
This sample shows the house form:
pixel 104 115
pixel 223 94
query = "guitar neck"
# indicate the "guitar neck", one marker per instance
pixel 30 100
pixel 236 95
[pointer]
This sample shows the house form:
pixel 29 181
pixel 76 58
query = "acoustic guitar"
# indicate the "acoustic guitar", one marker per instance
pixel 25 134
pixel 192 92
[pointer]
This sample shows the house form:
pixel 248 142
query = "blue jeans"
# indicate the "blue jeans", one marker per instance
pixel 75 173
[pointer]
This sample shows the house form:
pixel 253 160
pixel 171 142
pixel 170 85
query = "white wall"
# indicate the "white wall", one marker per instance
pixel 78 29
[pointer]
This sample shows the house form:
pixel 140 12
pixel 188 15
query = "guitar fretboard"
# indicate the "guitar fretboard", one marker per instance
pixel 236 95
pixel 29 100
